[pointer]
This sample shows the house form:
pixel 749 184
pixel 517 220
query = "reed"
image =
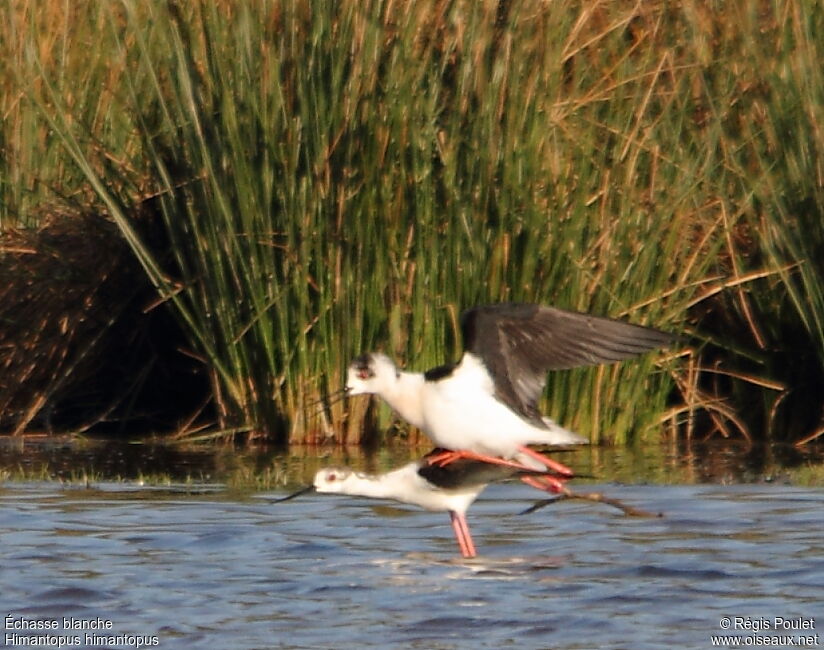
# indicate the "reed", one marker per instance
pixel 338 177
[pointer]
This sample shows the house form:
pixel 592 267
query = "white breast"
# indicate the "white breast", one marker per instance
pixel 407 486
pixel 461 412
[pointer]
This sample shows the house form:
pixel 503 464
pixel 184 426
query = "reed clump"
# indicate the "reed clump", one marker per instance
pixel 340 177
pixel 81 346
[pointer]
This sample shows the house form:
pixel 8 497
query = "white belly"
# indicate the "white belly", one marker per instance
pixel 460 412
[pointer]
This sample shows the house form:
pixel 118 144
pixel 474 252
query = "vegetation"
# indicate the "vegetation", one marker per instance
pixel 79 349
pixel 337 177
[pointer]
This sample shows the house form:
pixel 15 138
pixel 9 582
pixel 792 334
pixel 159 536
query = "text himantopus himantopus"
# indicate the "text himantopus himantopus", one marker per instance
pixel 451 488
pixel 486 406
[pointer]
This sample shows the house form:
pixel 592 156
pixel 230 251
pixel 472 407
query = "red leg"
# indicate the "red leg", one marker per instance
pixel 554 465
pixel 545 483
pixel 462 534
pixel 448 456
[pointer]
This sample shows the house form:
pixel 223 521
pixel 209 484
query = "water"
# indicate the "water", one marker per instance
pixel 200 565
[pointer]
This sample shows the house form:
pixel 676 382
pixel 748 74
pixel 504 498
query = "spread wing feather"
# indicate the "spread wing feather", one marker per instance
pixel 520 343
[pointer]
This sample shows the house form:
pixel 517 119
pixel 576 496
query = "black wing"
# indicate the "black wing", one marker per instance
pixel 519 343
pixel 463 472
pixel 466 472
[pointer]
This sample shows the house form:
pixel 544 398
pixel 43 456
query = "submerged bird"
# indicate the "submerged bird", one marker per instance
pixel 451 488
pixel 485 406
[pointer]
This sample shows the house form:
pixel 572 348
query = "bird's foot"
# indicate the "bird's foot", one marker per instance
pixel 546 483
pixel 552 465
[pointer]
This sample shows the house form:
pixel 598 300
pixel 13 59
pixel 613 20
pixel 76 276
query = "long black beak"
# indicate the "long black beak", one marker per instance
pixel 306 490
pixel 330 398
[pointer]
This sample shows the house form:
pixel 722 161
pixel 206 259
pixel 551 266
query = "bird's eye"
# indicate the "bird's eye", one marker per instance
pixel 364 373
pixel 332 477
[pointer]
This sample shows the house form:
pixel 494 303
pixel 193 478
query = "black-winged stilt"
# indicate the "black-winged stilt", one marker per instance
pixel 485 406
pixel 451 488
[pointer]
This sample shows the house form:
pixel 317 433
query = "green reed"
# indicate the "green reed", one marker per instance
pixel 333 178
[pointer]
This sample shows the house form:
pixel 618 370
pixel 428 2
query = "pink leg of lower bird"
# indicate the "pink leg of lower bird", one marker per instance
pixel 446 457
pixel 461 528
pixel 554 465
pixel 545 483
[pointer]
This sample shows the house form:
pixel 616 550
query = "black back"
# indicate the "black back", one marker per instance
pixel 463 473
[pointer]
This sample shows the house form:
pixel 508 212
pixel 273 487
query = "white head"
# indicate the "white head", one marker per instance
pixel 334 480
pixel 370 373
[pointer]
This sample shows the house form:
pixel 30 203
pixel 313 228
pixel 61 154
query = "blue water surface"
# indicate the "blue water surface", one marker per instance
pixel 205 567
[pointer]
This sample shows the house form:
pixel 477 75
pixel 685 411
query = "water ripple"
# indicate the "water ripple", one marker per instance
pixel 209 571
